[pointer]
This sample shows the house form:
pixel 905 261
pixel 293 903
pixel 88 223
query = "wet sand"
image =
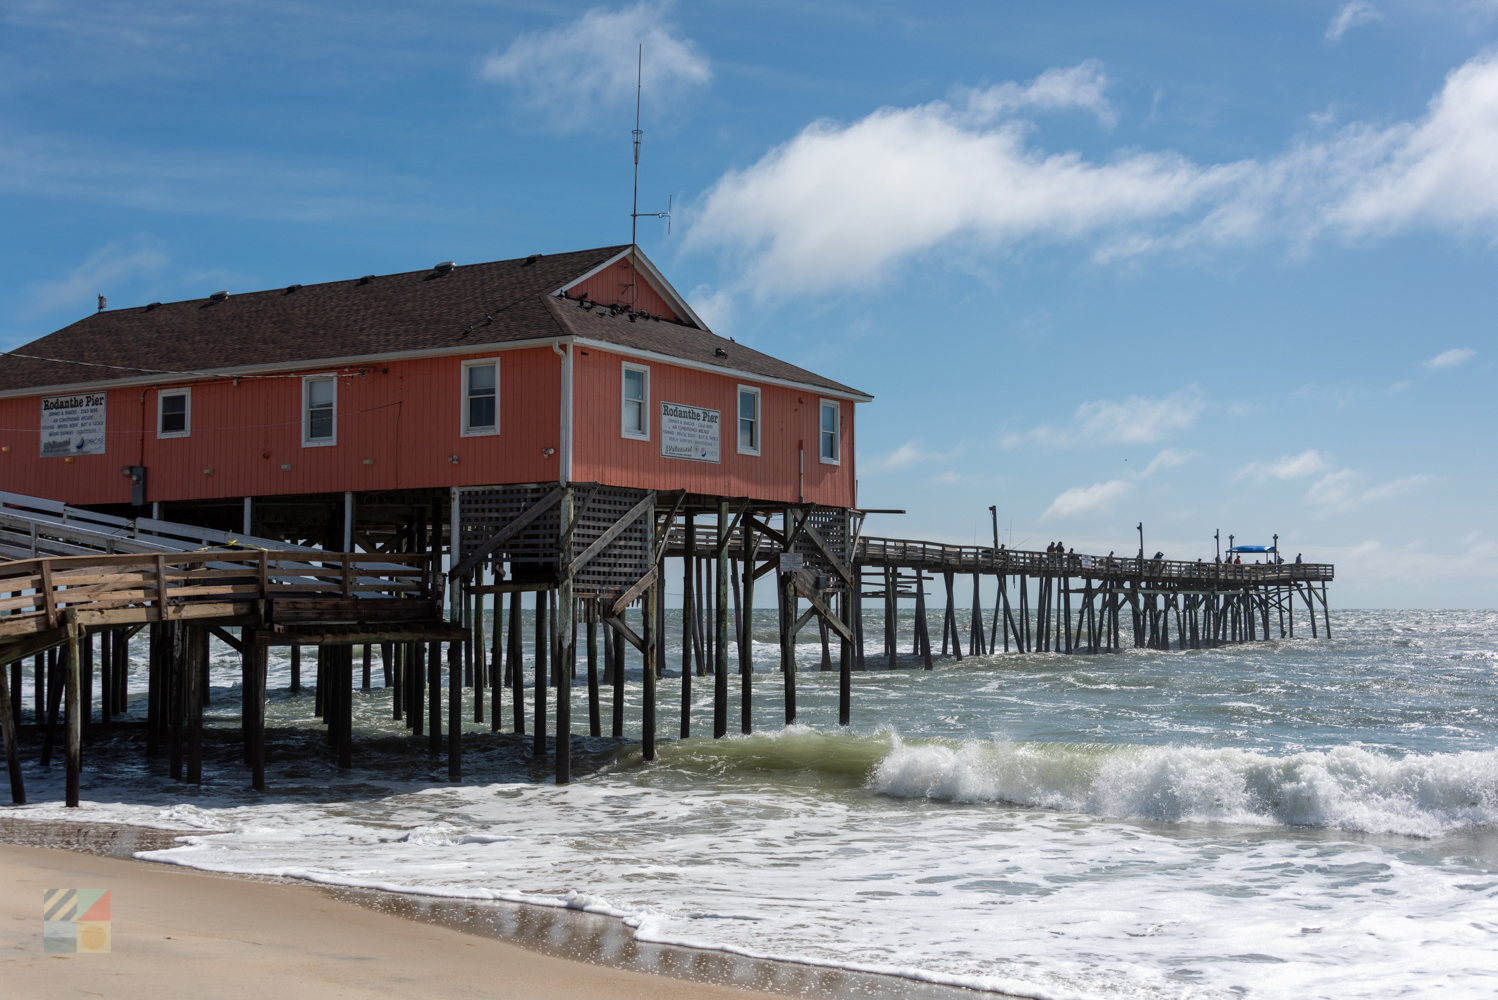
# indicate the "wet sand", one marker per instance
pixel 179 932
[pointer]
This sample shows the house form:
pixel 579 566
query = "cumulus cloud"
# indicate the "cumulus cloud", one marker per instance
pixel 1136 420
pixel 1453 358
pixel 1307 463
pixel 99 271
pixel 1100 496
pixel 1336 489
pixel 590 64
pixel 1349 16
pixel 840 204
pixel 1343 490
pixel 1086 499
pixel 1083 86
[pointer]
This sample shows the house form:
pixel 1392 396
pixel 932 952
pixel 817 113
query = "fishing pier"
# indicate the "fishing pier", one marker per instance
pixel 388 474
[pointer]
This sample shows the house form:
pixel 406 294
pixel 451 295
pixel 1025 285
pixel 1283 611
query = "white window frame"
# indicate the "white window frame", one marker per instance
pixel 837 432
pixel 307 440
pixel 162 394
pixel 641 435
pixel 469 431
pixel 759 419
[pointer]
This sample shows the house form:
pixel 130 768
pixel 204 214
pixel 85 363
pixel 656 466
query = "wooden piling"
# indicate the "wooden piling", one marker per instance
pixel 538 737
pixel 74 712
pixel 455 711
pixel 567 669
pixel 9 723
pixel 434 698
pixel 516 668
pixel 651 637
pixel 746 634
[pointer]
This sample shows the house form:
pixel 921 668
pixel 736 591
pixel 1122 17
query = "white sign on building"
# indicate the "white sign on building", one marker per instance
pixel 690 432
pixel 73 425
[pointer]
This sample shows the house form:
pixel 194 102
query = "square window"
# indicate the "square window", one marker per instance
pixel 749 420
pixel 174 409
pixel 831 418
pixel 635 418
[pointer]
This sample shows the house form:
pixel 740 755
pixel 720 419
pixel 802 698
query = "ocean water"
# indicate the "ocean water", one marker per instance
pixel 1306 818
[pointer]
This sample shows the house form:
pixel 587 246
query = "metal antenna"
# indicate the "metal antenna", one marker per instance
pixel 635 215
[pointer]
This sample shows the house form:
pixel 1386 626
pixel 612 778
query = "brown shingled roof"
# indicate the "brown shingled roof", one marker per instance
pixel 385 314
pixel 644 333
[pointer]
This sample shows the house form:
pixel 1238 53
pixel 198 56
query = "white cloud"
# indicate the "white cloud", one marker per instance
pixel 95 276
pixel 1136 420
pixel 590 65
pixel 1350 16
pixel 1342 490
pixel 1083 86
pixel 1084 499
pixel 1307 463
pixel 1169 458
pixel 902 456
pixel 840 204
pixel 1453 358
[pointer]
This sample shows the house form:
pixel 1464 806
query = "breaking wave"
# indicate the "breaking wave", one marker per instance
pixel 1346 788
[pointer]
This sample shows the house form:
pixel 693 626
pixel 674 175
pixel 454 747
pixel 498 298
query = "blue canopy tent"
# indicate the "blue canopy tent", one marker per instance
pixel 1252 548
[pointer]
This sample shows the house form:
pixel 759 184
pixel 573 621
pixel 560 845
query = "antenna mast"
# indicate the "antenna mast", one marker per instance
pixel 635 215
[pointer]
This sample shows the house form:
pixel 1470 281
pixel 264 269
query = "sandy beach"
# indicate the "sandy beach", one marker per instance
pixel 184 933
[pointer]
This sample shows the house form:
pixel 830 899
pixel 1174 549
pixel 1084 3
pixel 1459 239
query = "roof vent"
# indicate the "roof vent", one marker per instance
pixel 444 267
pixel 153 305
pixel 369 277
pixel 293 288
pixel 218 296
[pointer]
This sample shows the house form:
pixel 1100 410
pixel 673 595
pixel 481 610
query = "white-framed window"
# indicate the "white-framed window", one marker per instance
pixel 635 415
pixel 749 420
pixel 481 397
pixel 319 410
pixel 829 436
pixel 174 413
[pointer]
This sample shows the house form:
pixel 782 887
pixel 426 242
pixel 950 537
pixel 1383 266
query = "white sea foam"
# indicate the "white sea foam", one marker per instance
pixel 1346 788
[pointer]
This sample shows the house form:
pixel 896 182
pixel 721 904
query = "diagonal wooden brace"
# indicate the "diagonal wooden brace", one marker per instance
pixel 826 550
pixel 509 531
pixel 615 530
pixel 805 588
pixel 633 593
pixel 618 625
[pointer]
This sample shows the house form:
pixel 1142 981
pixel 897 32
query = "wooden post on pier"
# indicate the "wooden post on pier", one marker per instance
pixel 688 616
pixel 652 636
pixel 434 698
pixel 455 668
pixel 922 628
pixel 8 725
pixel 74 713
pixel 976 644
pixel 720 626
pixel 595 714
pixel 614 648
pixel 746 632
pixel 567 669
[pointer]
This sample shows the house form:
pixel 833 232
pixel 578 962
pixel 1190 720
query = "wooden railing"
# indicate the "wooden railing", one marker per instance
pixel 938 557
pixel 212 583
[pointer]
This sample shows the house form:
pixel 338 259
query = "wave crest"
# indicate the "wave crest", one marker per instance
pixel 1346 788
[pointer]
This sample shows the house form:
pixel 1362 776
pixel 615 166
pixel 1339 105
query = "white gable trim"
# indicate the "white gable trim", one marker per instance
pixel 662 286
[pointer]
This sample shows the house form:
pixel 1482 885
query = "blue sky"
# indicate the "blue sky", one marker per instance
pixel 1200 266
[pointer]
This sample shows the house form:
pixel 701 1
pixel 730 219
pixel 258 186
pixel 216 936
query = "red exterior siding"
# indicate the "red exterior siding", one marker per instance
pixel 405 416
pixel 611 287
pixel 788 419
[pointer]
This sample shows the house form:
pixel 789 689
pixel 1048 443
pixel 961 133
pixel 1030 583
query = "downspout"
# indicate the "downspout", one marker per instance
pixel 564 465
